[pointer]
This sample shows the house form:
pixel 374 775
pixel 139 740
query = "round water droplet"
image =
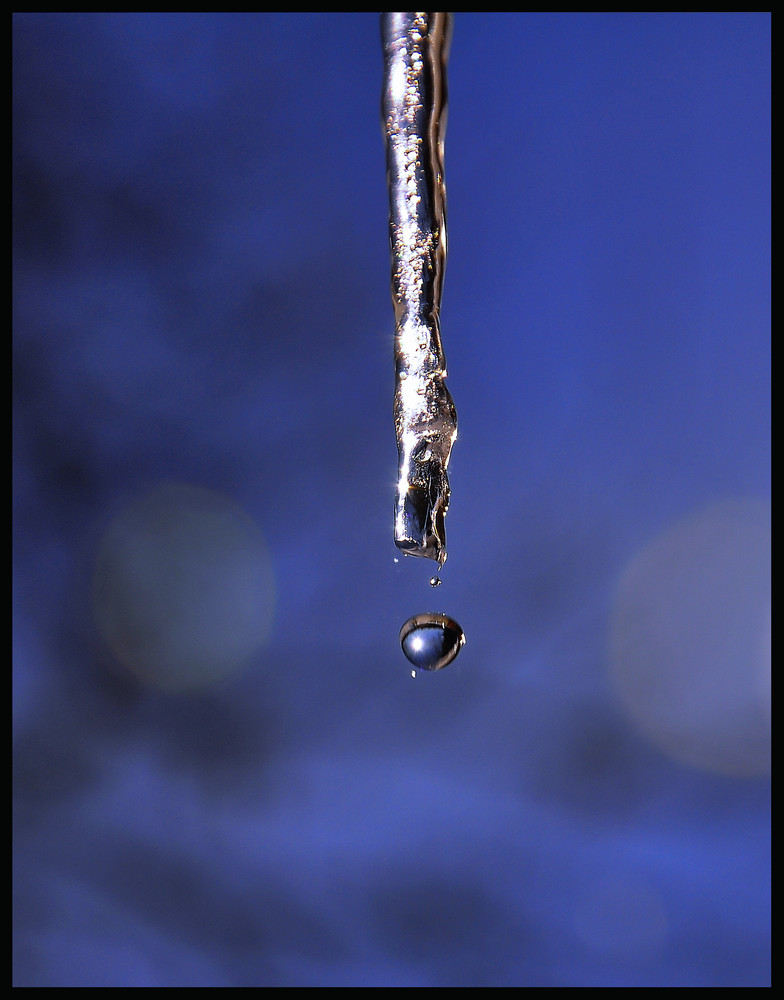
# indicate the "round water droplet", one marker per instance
pixel 431 641
pixel 435 581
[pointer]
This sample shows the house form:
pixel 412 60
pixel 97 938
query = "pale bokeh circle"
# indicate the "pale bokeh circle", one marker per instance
pixel 690 639
pixel 621 917
pixel 183 590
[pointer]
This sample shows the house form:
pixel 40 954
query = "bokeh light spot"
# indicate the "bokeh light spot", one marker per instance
pixel 183 590
pixel 622 917
pixel 690 639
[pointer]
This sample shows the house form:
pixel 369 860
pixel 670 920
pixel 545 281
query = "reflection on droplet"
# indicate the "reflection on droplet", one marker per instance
pixel 431 641
pixel 183 589
pixel 435 581
pixel 690 639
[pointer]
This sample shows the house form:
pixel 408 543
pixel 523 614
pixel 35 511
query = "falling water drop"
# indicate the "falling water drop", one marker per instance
pixel 431 641
pixel 435 581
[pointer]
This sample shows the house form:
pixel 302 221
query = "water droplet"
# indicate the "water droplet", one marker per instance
pixel 431 641
pixel 435 581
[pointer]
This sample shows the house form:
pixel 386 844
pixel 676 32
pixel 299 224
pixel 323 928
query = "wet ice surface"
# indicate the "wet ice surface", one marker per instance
pixel 195 306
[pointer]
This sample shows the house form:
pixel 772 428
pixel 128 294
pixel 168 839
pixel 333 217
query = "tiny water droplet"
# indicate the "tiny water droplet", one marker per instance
pixel 431 641
pixel 435 581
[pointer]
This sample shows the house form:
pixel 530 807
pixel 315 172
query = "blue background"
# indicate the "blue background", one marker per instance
pixel 225 774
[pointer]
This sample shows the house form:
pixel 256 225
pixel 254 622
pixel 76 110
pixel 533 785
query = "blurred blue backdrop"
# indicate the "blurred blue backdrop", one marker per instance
pixel 224 772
